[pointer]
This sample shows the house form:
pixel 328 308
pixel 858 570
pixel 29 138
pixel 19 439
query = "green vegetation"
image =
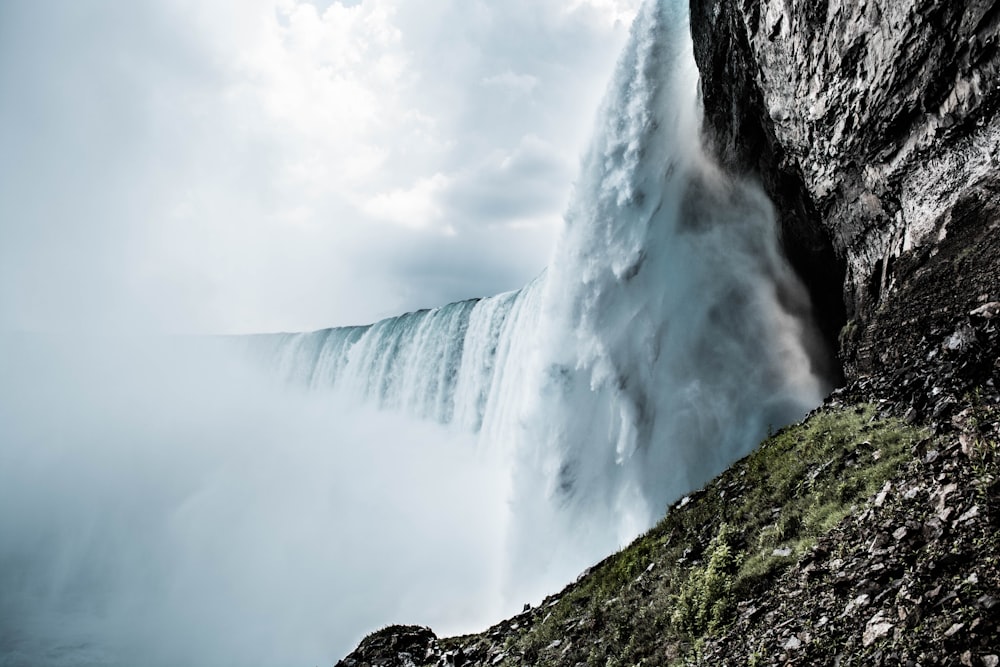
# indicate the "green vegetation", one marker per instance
pixel 705 601
pixel 847 333
pixel 655 601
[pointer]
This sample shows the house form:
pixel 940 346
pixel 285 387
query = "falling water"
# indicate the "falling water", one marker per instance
pixel 449 364
pixel 178 513
pixel 667 336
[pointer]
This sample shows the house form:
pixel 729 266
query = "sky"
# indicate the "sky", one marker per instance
pixel 238 166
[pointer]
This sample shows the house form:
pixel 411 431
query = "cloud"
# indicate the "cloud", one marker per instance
pixel 280 164
pixel 522 187
pixel 517 83
pixel 414 207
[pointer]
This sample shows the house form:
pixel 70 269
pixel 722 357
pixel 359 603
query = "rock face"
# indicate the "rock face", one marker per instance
pixel 403 645
pixel 871 124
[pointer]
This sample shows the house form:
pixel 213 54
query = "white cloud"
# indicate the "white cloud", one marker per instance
pixel 518 83
pixel 280 164
pixel 613 11
pixel 416 207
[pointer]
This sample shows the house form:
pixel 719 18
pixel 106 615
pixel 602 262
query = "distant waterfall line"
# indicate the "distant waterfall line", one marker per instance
pixel 445 364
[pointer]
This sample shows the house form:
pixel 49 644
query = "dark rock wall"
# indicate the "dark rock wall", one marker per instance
pixel 868 123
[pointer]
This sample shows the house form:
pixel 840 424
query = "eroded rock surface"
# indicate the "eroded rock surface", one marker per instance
pixel 395 645
pixel 870 123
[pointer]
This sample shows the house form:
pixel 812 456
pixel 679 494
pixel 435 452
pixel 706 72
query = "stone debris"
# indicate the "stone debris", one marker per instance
pixel 987 311
pixel 876 628
pixel 954 629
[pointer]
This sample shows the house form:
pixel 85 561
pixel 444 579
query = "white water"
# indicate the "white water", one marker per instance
pixel 666 338
pixel 162 507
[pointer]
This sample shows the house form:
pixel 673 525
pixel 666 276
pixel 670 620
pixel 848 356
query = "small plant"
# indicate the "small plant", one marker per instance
pixel 664 596
pixel 847 333
pixel 705 601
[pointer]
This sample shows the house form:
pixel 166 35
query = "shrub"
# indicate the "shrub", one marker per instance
pixel 705 601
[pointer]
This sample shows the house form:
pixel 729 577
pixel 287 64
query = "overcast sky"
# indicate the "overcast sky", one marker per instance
pixel 260 165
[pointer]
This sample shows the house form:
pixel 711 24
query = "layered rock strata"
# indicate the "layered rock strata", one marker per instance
pixel 871 124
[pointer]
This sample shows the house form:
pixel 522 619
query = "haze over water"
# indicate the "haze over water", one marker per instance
pixel 268 500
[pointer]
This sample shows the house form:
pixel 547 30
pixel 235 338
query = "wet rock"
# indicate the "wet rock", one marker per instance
pixel 811 100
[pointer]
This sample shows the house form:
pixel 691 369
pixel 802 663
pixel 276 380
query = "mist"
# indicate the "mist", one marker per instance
pixel 667 336
pixel 163 504
pixel 269 499
pixel 239 166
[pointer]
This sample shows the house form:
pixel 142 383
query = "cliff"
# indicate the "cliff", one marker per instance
pixel 868 534
pixel 873 127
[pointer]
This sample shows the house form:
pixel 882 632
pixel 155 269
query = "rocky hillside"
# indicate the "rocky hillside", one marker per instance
pixel 870 533
pixel 867 535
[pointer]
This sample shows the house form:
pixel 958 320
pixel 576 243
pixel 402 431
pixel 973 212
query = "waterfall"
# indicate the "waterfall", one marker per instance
pixel 666 338
pixel 449 364
pixel 162 504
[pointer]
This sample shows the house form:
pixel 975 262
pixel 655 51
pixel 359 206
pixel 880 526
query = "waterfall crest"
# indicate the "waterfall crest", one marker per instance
pixel 449 364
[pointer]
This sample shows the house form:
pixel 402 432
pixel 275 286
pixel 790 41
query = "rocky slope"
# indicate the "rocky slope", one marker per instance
pixel 869 534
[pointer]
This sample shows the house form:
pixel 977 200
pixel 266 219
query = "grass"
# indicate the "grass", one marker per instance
pixel 654 601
